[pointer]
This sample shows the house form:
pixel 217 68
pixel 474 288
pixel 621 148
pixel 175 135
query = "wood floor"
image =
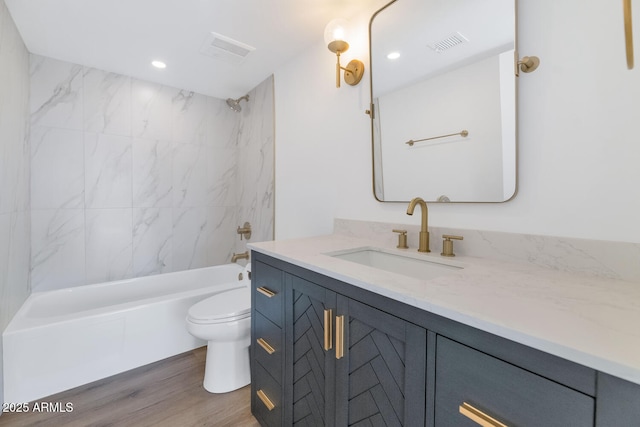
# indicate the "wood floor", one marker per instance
pixel 165 393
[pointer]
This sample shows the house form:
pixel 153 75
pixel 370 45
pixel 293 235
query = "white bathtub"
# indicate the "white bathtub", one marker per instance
pixel 65 338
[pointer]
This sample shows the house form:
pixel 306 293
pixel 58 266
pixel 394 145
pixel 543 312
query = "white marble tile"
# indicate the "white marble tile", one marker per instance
pixel 189 118
pixel 109 244
pixel 223 176
pixel 57 249
pixel 222 124
pixel 224 222
pixel 192 233
pixel 15 162
pixel 152 241
pixel 57 166
pixel 56 93
pixel 107 102
pixel 255 194
pixel 19 257
pixel 152 173
pixel 14 118
pixel 5 289
pixel 191 175
pixel 257 115
pixel 151 109
pixel 108 171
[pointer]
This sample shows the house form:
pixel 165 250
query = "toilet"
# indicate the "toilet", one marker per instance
pixel 224 321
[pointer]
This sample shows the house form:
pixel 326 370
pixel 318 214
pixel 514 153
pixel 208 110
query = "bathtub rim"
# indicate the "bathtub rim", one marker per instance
pixel 21 322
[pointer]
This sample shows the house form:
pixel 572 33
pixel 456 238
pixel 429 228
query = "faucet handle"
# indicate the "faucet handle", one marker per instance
pixel 402 239
pixel 447 244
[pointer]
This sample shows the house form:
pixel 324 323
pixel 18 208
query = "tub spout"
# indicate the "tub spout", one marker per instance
pixel 235 257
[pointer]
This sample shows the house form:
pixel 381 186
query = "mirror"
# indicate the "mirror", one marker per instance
pixel 443 108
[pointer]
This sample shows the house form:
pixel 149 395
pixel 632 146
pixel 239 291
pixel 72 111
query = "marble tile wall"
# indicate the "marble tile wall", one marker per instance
pixel 14 172
pixel 255 195
pixel 132 178
pixel 614 260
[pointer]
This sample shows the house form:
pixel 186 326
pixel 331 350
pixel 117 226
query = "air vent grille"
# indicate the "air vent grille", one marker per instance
pixel 225 48
pixel 453 40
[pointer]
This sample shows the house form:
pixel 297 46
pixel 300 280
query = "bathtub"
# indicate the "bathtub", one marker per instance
pixel 65 338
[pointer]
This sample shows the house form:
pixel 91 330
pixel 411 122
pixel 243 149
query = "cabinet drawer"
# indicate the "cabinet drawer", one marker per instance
pixel 266 391
pixel 268 346
pixel 509 394
pixel 269 291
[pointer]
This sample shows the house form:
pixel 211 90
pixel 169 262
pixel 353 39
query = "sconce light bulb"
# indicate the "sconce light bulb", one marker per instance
pixel 336 30
pixel 393 55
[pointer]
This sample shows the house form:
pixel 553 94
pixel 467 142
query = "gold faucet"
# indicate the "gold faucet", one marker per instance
pixel 424 233
pixel 235 257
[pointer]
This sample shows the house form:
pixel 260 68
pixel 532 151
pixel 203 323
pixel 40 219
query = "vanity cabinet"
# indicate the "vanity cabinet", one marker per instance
pixel 348 356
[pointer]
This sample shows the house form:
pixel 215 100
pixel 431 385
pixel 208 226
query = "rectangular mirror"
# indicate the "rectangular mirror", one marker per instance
pixel 443 100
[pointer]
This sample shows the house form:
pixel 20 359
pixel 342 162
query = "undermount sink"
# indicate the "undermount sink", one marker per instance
pixel 413 265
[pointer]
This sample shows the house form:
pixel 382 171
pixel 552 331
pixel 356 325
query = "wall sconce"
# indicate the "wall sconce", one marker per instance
pixel 334 36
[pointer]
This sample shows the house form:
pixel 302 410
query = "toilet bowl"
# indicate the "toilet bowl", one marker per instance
pixel 224 321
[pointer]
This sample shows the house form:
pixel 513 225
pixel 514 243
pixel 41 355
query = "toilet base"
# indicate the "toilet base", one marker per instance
pixel 227 367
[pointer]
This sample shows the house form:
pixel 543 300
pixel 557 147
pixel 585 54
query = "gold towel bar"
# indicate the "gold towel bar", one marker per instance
pixel 463 133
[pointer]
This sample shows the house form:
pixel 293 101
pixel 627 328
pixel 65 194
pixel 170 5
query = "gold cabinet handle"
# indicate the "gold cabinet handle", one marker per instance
pixel 267 402
pixel 266 292
pixel 328 329
pixel 265 345
pixel 479 417
pixel 339 337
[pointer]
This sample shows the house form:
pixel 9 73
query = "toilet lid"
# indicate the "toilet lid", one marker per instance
pixel 229 304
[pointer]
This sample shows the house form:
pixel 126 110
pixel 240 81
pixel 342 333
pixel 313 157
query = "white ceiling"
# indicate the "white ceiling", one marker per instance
pixel 124 36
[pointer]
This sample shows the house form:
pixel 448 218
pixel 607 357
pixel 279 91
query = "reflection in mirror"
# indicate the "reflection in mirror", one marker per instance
pixel 443 94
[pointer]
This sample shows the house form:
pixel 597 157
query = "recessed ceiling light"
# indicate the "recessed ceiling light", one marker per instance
pixel 393 55
pixel 158 64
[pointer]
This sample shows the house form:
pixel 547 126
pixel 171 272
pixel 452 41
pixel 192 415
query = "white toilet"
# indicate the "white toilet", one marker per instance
pixel 224 320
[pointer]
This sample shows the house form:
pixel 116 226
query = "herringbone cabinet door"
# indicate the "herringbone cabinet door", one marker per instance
pixel 385 379
pixel 311 362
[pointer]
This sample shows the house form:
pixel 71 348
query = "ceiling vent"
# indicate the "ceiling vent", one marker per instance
pixel 226 49
pixel 454 39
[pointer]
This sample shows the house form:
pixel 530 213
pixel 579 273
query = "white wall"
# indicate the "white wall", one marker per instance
pixel 578 151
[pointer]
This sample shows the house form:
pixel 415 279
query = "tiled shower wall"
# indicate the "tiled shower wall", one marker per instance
pixel 131 178
pixel 14 172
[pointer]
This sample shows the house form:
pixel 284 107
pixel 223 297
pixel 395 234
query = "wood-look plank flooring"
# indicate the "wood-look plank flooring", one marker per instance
pixel 165 393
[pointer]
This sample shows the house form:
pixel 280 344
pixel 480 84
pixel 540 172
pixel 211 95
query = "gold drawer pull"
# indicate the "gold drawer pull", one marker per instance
pixel 328 330
pixel 266 292
pixel 339 337
pixel 267 402
pixel 479 417
pixel 265 345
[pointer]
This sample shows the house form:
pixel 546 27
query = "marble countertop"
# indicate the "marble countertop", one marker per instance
pixel 592 321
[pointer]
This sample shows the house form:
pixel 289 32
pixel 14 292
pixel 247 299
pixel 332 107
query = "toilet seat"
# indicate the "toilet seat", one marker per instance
pixel 224 307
